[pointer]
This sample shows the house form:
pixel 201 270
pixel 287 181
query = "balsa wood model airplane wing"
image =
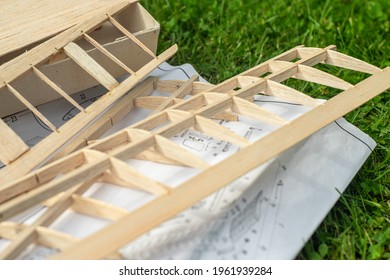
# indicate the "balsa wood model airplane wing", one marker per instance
pixel 61 185
pixel 17 156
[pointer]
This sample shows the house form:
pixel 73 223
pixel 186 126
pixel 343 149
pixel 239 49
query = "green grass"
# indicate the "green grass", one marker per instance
pixel 224 38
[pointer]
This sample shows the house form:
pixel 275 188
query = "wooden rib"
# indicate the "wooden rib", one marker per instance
pixel 149 102
pixel 64 165
pixel 128 174
pixel 57 89
pixel 54 239
pixel 109 118
pixel 211 128
pixel 209 181
pixel 226 116
pixel 11 145
pixel 55 208
pixel 31 108
pixel 172 85
pixel 304 52
pixel 130 36
pixel 244 81
pixel 177 153
pixel 310 74
pixel 107 53
pixel 185 89
pixel 96 208
pixel 349 62
pixel 152 155
pixel 16 187
pixel 289 94
pixel 251 110
pixel 78 55
pixel 45 191
pixel 152 121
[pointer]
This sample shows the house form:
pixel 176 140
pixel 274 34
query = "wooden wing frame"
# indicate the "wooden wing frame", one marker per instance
pixel 18 157
pixel 61 184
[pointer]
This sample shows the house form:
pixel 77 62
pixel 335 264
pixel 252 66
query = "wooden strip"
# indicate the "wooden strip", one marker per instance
pixel 56 88
pixel 130 36
pixel 54 239
pixel 107 53
pixel 170 86
pixel 310 74
pixel 177 153
pixel 349 62
pixel 64 165
pixel 211 128
pixel 251 110
pixel 45 191
pixel 149 102
pixel 128 174
pixel 244 81
pixel 31 108
pixel 217 176
pixel 96 208
pixel 21 185
pixel 90 65
pixel 11 145
pixel 56 207
pixel 289 94
pixel 184 90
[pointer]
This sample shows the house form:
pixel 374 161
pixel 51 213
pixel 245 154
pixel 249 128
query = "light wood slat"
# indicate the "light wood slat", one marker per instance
pixel 263 67
pixel 56 88
pixel 150 102
pixel 43 236
pixel 310 74
pixel 55 207
pixel 304 52
pixel 45 191
pixel 211 128
pixel 63 165
pixel 130 36
pixel 31 108
pixel 289 94
pixel 177 153
pixel 54 239
pixel 170 86
pixel 244 81
pixel 18 186
pixel 184 90
pixel 78 55
pixel 209 181
pixel 96 208
pixel 349 62
pixel 11 145
pixel 152 155
pixel 250 109
pixel 107 53
pixel 128 174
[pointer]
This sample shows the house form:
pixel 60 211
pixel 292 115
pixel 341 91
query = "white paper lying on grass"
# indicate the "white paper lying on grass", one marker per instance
pixel 267 214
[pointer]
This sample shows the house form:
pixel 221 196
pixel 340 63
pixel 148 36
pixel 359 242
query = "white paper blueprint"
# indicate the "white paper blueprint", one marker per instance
pixel 267 214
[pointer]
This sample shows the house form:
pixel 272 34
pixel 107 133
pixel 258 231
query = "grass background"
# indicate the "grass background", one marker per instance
pixel 223 38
